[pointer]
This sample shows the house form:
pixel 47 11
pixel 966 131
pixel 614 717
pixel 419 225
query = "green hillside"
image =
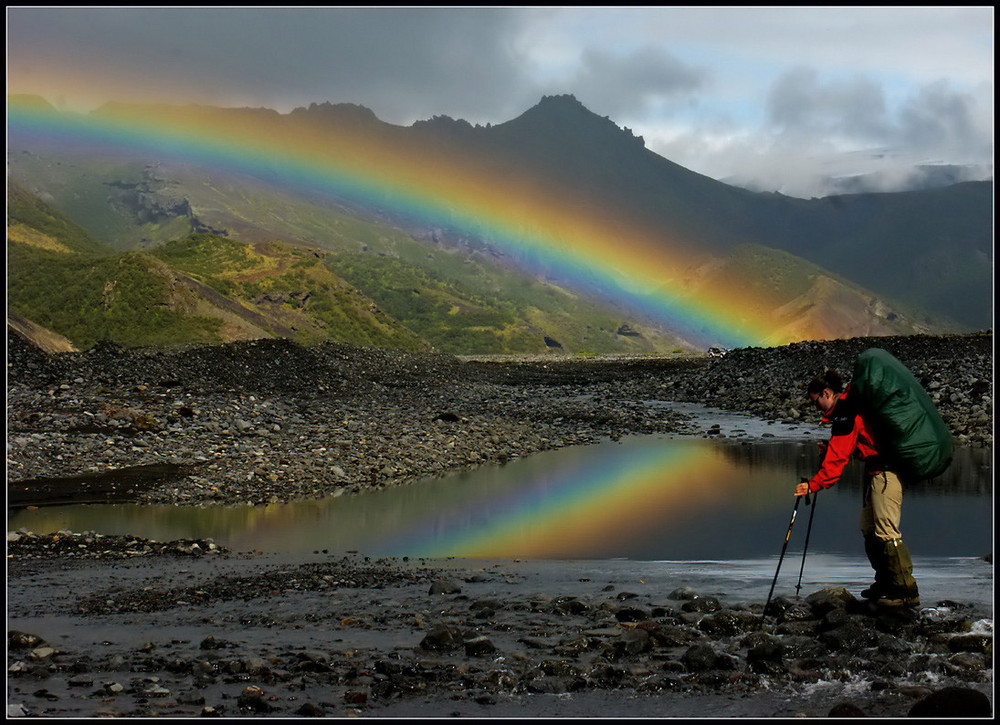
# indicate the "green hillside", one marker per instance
pixel 291 286
pixel 121 298
pixel 380 288
pixel 60 277
pixel 35 223
pixel 465 304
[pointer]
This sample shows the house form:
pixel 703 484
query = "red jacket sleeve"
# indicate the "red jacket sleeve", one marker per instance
pixel 838 453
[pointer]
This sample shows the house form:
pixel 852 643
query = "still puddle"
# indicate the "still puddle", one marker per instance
pixel 644 499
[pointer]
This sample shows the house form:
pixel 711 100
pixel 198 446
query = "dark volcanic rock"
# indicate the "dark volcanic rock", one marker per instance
pixel 700 657
pixel 953 702
pixel 846 709
pixel 442 638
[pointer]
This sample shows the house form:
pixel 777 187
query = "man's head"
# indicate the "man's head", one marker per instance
pixel 824 389
pixel 825 399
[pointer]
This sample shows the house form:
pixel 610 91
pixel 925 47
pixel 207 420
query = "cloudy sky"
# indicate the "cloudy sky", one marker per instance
pixel 779 95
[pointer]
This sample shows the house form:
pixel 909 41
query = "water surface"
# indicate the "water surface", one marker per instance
pixel 643 498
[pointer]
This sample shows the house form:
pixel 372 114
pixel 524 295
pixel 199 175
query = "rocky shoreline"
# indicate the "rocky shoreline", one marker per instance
pixel 124 626
pixel 271 421
pixel 117 626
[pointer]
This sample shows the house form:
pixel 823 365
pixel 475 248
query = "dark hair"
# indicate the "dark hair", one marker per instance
pixel 830 379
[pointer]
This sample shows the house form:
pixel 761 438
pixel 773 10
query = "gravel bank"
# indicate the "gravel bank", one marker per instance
pixel 271 421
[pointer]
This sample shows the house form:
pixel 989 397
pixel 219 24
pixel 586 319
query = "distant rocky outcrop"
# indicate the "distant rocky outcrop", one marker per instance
pixel 40 337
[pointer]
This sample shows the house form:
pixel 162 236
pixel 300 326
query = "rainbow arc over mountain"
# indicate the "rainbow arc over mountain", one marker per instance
pixel 592 248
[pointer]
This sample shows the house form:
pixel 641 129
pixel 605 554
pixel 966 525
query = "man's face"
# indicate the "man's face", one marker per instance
pixel 825 400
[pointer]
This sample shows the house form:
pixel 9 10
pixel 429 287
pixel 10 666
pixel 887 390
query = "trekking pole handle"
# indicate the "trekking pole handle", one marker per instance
pixel 806 497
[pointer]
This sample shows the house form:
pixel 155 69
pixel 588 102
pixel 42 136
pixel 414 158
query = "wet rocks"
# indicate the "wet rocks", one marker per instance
pixel 766 654
pixel 846 709
pixel 445 586
pixel 700 657
pixel 442 638
pixel 26 548
pixel 479 646
pixel 345 634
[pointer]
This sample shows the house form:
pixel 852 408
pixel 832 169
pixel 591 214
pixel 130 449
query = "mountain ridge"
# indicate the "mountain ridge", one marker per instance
pixel 636 182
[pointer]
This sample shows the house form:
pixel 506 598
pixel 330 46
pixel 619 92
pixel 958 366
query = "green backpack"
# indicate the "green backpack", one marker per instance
pixel 908 430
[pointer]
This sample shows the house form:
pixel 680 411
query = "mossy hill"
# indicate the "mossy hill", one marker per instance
pixel 203 288
pixel 210 288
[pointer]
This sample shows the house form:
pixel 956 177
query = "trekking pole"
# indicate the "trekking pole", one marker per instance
pixel 805 548
pixel 781 558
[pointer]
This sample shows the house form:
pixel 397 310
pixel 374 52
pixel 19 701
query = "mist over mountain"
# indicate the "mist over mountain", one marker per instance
pixel 870 171
pixel 855 264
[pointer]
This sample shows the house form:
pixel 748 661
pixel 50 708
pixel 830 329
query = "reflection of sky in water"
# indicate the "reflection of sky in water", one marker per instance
pixel 645 499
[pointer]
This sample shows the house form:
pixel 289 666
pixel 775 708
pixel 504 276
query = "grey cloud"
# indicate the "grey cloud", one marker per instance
pixel 943 119
pixel 799 104
pixel 626 86
pixel 936 120
pixel 404 63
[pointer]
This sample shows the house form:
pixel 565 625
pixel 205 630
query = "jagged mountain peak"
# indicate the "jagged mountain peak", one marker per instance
pixel 563 112
pixel 337 112
pixel 445 122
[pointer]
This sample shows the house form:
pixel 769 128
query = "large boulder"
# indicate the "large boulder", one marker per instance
pixel 825 600
pixel 953 702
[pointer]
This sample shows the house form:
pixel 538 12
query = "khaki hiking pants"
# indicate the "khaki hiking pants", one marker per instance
pixel 882 507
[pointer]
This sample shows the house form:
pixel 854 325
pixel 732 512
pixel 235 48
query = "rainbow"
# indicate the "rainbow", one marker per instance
pixel 593 248
pixel 571 511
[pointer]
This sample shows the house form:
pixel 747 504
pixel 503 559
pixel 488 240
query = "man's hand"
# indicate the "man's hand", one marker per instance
pixel 803 488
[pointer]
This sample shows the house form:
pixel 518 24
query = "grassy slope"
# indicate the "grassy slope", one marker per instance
pixel 459 302
pixel 816 301
pixel 289 284
pixel 122 298
pixel 60 277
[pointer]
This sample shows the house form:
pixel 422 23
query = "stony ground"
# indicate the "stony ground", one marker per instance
pixel 121 626
pixel 270 421
pixel 117 626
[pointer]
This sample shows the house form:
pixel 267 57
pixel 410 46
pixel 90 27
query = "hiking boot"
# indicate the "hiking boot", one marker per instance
pixel 875 550
pixel 896 599
pixel 875 591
